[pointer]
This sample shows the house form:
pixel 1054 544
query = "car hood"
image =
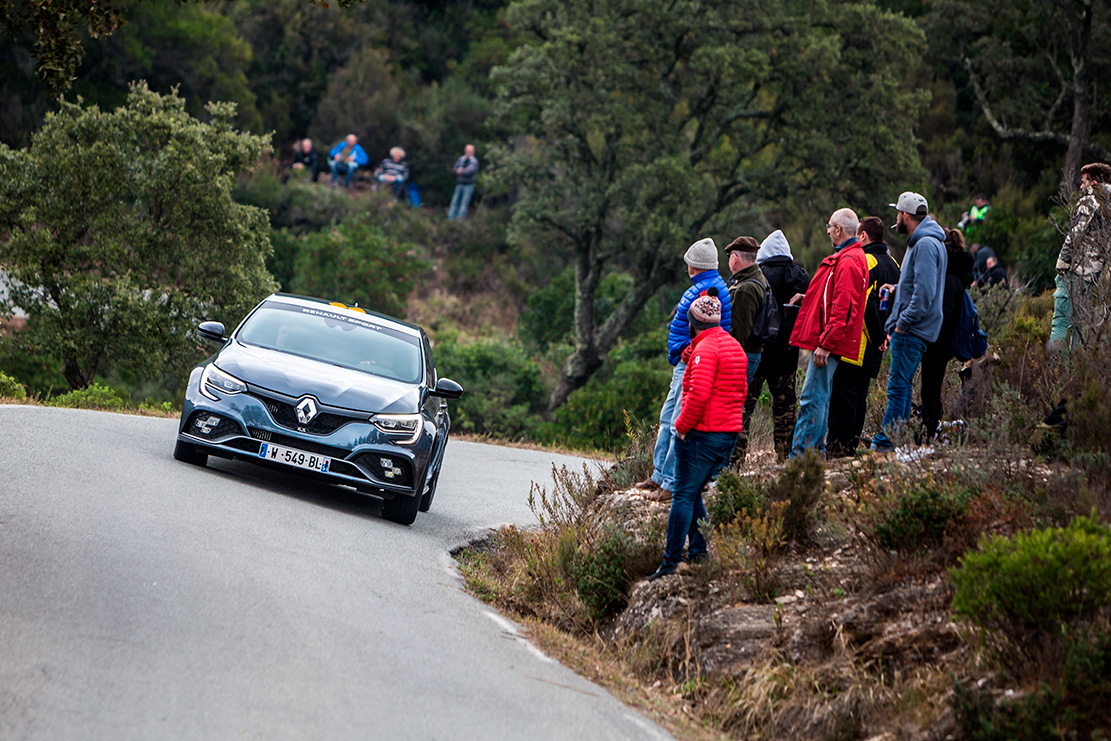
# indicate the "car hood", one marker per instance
pixel 332 385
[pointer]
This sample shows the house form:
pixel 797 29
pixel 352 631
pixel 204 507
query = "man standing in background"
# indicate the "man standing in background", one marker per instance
pixel 746 292
pixel 466 170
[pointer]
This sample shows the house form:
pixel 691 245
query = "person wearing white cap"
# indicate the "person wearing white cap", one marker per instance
pixel 702 267
pixel 916 310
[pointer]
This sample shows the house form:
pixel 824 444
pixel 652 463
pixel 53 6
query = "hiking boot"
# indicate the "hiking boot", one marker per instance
pixel 659 495
pixel 664 570
pixel 646 485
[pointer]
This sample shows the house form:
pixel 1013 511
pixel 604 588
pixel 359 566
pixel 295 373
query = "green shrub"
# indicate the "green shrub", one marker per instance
pixel 636 463
pixel 800 486
pixel 736 497
pixel 1041 583
pixel 11 388
pixel 601 574
pixel 1074 706
pixel 95 396
pixel 923 513
pixel 504 394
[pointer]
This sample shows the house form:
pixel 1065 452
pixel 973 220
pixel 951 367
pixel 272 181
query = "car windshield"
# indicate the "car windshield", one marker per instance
pixel 336 338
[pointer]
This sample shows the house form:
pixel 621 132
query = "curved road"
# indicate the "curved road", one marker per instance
pixel 144 598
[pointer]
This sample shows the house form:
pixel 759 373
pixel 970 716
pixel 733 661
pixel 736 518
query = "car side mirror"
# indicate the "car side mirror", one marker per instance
pixel 447 389
pixel 212 331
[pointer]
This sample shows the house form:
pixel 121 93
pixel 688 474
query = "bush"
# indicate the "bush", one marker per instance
pixel 1074 706
pixel 736 497
pixel 800 487
pixel 1034 586
pixel 11 388
pixel 636 463
pixel 95 396
pixel 601 575
pixel 504 394
pixel 923 513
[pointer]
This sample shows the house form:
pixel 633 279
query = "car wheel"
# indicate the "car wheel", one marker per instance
pixel 401 509
pixel 187 453
pixel 429 494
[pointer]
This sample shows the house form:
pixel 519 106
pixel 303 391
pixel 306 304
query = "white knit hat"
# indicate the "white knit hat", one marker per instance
pixel 703 255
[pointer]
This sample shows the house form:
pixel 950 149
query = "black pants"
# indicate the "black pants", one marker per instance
pixel 782 388
pixel 848 407
pixel 934 362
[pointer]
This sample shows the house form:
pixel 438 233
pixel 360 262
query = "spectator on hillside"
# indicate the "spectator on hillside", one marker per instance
pixel 702 267
pixel 393 171
pixel 916 310
pixel 706 430
pixel 996 275
pixel 829 324
pixel 346 158
pixel 779 361
pixel 746 294
pixel 1084 253
pixel 981 253
pixel 972 222
pixel 958 277
pixel 466 170
pixel 305 159
pixel 848 402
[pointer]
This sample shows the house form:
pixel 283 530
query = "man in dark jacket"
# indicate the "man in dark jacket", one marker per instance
pixel 466 170
pixel 746 293
pixel 848 402
pixel 306 159
pixel 916 315
pixel 779 361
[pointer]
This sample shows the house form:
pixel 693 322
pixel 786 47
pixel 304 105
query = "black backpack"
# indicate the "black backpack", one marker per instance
pixel 765 326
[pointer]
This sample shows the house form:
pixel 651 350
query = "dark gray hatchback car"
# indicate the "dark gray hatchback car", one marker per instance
pixel 324 390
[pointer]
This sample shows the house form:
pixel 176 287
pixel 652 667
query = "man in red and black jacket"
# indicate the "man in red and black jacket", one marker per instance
pixel 712 407
pixel 830 324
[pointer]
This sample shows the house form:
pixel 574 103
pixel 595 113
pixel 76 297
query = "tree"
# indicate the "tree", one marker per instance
pixel 1033 67
pixel 59 26
pixel 648 123
pixel 118 233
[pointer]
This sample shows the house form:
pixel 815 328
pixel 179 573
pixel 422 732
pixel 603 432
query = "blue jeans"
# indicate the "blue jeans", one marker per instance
pixel 460 200
pixel 663 455
pixel 906 355
pixel 1063 330
pixel 699 458
pixel 813 415
pixel 346 168
pixel 753 365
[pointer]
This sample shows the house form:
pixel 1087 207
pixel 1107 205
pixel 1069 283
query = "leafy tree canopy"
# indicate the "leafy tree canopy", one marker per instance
pixel 119 233
pixel 650 123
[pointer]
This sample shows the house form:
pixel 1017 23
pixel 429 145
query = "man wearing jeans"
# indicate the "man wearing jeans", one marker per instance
pixel 916 312
pixel 829 324
pixel 466 170
pixel 714 389
pixel 702 266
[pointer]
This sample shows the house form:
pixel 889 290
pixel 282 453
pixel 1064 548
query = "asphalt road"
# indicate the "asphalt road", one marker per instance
pixel 143 598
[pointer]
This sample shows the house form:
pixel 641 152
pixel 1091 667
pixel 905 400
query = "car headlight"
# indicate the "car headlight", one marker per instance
pixel 214 379
pixel 399 424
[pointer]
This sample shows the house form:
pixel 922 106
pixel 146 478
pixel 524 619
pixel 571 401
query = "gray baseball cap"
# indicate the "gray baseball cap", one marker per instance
pixel 912 203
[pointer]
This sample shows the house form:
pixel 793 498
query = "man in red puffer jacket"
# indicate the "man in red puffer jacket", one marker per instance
pixel 714 388
pixel 830 323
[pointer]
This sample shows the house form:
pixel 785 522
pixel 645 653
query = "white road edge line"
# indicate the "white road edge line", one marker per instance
pixel 512 630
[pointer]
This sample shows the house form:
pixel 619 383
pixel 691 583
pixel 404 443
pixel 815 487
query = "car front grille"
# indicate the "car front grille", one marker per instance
pixel 325 423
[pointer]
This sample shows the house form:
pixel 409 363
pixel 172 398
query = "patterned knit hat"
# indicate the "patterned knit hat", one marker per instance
pixel 706 309
pixel 703 255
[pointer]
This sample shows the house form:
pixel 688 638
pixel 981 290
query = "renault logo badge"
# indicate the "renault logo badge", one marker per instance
pixel 306 410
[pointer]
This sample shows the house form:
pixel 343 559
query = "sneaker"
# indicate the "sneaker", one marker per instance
pixel 664 570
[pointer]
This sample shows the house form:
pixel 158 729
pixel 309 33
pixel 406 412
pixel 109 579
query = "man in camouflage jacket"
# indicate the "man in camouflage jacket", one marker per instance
pixel 1085 252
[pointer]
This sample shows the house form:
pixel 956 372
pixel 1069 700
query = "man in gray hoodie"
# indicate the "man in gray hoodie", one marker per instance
pixel 916 313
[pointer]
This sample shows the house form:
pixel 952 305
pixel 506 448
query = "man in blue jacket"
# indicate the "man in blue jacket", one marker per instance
pixel 702 266
pixel 345 158
pixel 916 313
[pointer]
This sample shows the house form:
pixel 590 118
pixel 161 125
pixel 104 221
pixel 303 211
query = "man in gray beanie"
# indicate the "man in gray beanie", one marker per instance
pixel 702 267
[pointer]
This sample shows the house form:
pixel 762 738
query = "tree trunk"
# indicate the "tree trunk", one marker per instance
pixel 76 376
pixel 1078 19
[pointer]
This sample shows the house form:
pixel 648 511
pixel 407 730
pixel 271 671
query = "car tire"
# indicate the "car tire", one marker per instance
pixel 401 509
pixel 187 453
pixel 429 494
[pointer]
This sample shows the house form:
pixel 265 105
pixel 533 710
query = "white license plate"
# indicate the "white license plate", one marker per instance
pixel 292 457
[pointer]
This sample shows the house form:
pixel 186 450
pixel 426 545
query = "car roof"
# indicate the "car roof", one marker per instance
pixel 341 308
